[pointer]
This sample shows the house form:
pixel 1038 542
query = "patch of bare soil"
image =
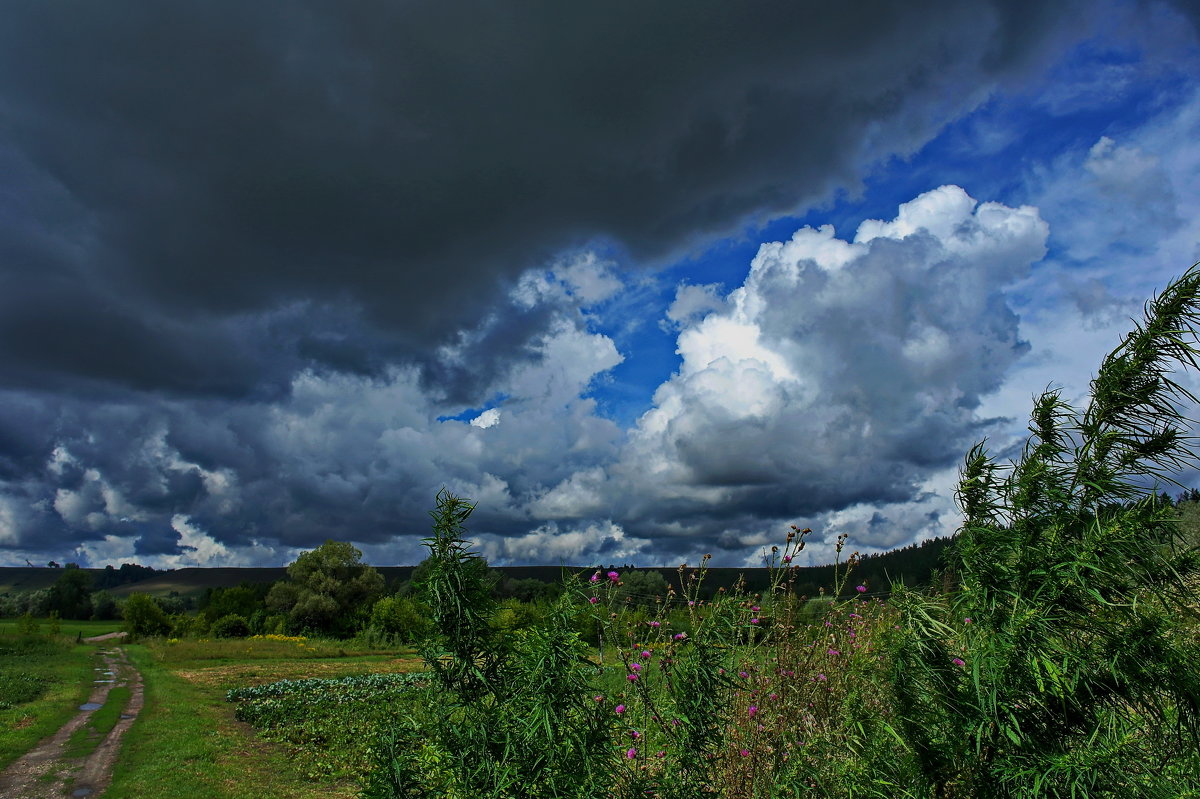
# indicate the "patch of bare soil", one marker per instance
pixel 47 772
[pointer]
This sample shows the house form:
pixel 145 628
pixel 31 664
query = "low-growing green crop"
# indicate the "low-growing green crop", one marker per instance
pixel 335 722
pixel 19 687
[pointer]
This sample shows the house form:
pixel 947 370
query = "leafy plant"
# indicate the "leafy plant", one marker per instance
pixel 1063 665
pixel 514 711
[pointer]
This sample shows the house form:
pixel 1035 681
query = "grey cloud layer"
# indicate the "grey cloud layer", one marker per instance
pixel 248 257
pixel 181 166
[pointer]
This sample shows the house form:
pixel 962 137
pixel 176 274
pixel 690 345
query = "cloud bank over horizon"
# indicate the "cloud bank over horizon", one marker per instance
pixel 267 280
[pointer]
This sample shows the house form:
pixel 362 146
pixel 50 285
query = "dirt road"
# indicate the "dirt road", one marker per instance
pixel 49 771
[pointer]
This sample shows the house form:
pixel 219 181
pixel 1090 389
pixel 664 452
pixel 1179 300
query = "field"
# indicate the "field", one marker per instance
pixel 189 739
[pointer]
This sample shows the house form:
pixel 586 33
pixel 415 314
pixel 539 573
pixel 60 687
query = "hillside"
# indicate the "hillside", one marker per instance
pixel 912 565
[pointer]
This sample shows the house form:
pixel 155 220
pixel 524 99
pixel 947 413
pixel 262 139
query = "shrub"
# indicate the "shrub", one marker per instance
pixel 231 626
pixel 143 616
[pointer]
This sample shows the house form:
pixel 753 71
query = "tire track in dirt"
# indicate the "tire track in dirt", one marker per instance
pixel 49 772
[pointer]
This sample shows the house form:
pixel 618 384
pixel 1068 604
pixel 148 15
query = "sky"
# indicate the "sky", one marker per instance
pixel 643 280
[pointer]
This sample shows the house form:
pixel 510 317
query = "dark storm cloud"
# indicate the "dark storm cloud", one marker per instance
pixel 250 254
pixel 201 160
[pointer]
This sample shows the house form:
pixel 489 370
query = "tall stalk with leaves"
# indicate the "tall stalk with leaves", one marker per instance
pixel 509 714
pixel 1064 664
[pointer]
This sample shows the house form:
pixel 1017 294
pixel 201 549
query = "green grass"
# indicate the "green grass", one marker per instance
pixel 85 739
pixel 66 627
pixel 187 744
pixel 64 672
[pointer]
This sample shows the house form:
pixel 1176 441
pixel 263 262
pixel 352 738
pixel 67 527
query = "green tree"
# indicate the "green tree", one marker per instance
pixel 1065 663
pixel 104 606
pixel 644 587
pixel 71 594
pixel 143 616
pixel 400 619
pixel 328 590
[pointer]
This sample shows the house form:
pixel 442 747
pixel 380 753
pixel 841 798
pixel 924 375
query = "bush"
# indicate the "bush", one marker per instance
pixel 143 616
pixel 402 620
pixel 231 626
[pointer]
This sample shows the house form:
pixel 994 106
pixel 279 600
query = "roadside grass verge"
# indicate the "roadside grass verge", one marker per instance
pixel 67 628
pixel 187 744
pixel 50 677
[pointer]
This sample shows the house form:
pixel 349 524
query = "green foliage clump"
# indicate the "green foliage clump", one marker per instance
pixel 19 687
pixel 71 594
pixel 144 617
pixel 231 626
pixel 399 619
pixel 329 590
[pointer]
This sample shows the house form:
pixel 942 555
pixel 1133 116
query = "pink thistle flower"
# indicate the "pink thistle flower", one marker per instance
pixel 821 678
pixel 754 609
pixel 743 675
pixel 619 709
pixel 599 698
pixel 634 734
pixel 631 677
pixel 631 753
pixel 656 624
pixel 967 620
pixel 660 753
pixel 787 558
pixel 614 576
pixel 594 599
pixel 680 636
pixel 646 654
pixel 595 577
pixel 745 753
pixel 862 589
pixel 753 711
pixel 754 621
pixel 834 652
pixel 635 666
pixel 691 603
pixel 959 662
